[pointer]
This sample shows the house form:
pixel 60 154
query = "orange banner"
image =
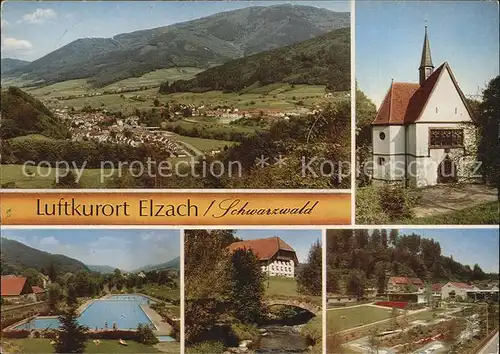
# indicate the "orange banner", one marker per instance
pixel 156 208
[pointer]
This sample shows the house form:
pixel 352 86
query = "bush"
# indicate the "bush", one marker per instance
pixel 145 335
pixel 211 347
pixel 396 202
pixel 245 331
pixel 384 204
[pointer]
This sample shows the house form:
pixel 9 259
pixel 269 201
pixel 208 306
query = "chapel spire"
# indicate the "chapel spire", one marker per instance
pixel 426 67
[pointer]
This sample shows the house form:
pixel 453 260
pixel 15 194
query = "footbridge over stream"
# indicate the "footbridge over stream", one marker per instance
pixel 302 304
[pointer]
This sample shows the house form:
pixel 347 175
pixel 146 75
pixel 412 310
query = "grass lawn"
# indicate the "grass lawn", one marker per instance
pixel 281 286
pixel 91 178
pixel 203 144
pixel 160 291
pixel 347 318
pixel 481 214
pixel 37 345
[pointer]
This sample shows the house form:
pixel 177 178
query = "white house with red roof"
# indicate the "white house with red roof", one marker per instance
pixel 423 132
pixel 277 258
pixel 404 284
pixel 451 290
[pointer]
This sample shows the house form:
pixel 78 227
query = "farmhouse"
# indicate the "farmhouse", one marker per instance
pixel 451 290
pixel 276 257
pixel 404 285
pixel 16 289
pixel 423 132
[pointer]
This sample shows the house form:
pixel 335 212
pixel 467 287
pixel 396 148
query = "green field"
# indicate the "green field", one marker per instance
pixel 203 144
pixel 350 317
pixel 14 174
pixel 37 345
pixel 81 86
pixel 275 96
pixel 281 286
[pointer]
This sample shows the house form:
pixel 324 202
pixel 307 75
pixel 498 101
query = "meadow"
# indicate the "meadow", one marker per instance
pixel 274 96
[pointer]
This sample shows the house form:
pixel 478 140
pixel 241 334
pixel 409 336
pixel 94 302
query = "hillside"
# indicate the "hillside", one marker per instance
pixel 323 60
pixel 200 43
pixel 172 264
pixel 22 114
pixel 11 64
pixel 104 269
pixel 16 256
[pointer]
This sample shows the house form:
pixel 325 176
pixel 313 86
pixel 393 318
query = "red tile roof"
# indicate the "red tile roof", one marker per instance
pixel 12 285
pixel 264 248
pixel 37 289
pixel 437 287
pixel 404 102
pixel 406 280
pixel 461 285
pixel 393 108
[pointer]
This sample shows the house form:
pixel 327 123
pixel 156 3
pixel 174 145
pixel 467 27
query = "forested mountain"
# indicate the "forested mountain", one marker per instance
pixel 201 43
pixel 10 64
pixel 23 114
pixel 104 269
pixel 323 60
pixel 360 258
pixel 172 264
pixel 17 257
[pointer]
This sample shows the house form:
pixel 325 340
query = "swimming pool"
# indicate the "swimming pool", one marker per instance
pixel 124 310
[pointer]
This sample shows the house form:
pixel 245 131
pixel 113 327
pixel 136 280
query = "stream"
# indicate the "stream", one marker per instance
pixel 282 334
pixel 281 339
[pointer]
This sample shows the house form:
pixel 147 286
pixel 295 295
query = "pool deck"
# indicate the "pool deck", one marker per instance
pixel 162 328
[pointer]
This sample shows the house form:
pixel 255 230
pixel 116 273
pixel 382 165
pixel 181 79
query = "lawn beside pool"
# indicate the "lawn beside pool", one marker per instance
pixel 350 317
pixel 38 345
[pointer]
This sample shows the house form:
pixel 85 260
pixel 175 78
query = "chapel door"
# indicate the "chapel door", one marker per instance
pixel 447 171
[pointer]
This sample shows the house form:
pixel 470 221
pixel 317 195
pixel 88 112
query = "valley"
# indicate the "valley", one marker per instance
pixel 248 96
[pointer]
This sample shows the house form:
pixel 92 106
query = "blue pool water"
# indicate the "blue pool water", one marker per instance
pixel 124 310
pixel 165 339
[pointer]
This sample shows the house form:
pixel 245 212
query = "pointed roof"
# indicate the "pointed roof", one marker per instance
pixel 12 285
pixel 404 102
pixel 264 248
pixel 426 60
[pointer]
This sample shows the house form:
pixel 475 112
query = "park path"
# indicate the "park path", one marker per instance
pixel 443 198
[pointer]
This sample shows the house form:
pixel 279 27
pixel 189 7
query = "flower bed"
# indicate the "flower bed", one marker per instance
pixel 397 304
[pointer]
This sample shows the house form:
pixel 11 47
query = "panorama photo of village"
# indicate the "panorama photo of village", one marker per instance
pixel 175 94
pixel 253 291
pixel 427 112
pixel 90 291
pixel 416 291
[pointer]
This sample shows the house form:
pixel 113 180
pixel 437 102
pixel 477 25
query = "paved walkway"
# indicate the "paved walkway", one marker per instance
pixel 447 198
pixel 163 328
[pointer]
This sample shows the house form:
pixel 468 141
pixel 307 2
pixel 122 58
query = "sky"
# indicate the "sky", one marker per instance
pixel 389 40
pixel 467 246
pixel 300 240
pixel 32 29
pixel 123 249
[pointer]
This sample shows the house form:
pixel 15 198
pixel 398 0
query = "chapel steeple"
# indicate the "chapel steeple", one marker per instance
pixel 426 67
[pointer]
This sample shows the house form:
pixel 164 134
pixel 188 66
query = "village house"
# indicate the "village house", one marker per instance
pixel 16 289
pixel 451 290
pixel 423 132
pixel 405 285
pixel 276 257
